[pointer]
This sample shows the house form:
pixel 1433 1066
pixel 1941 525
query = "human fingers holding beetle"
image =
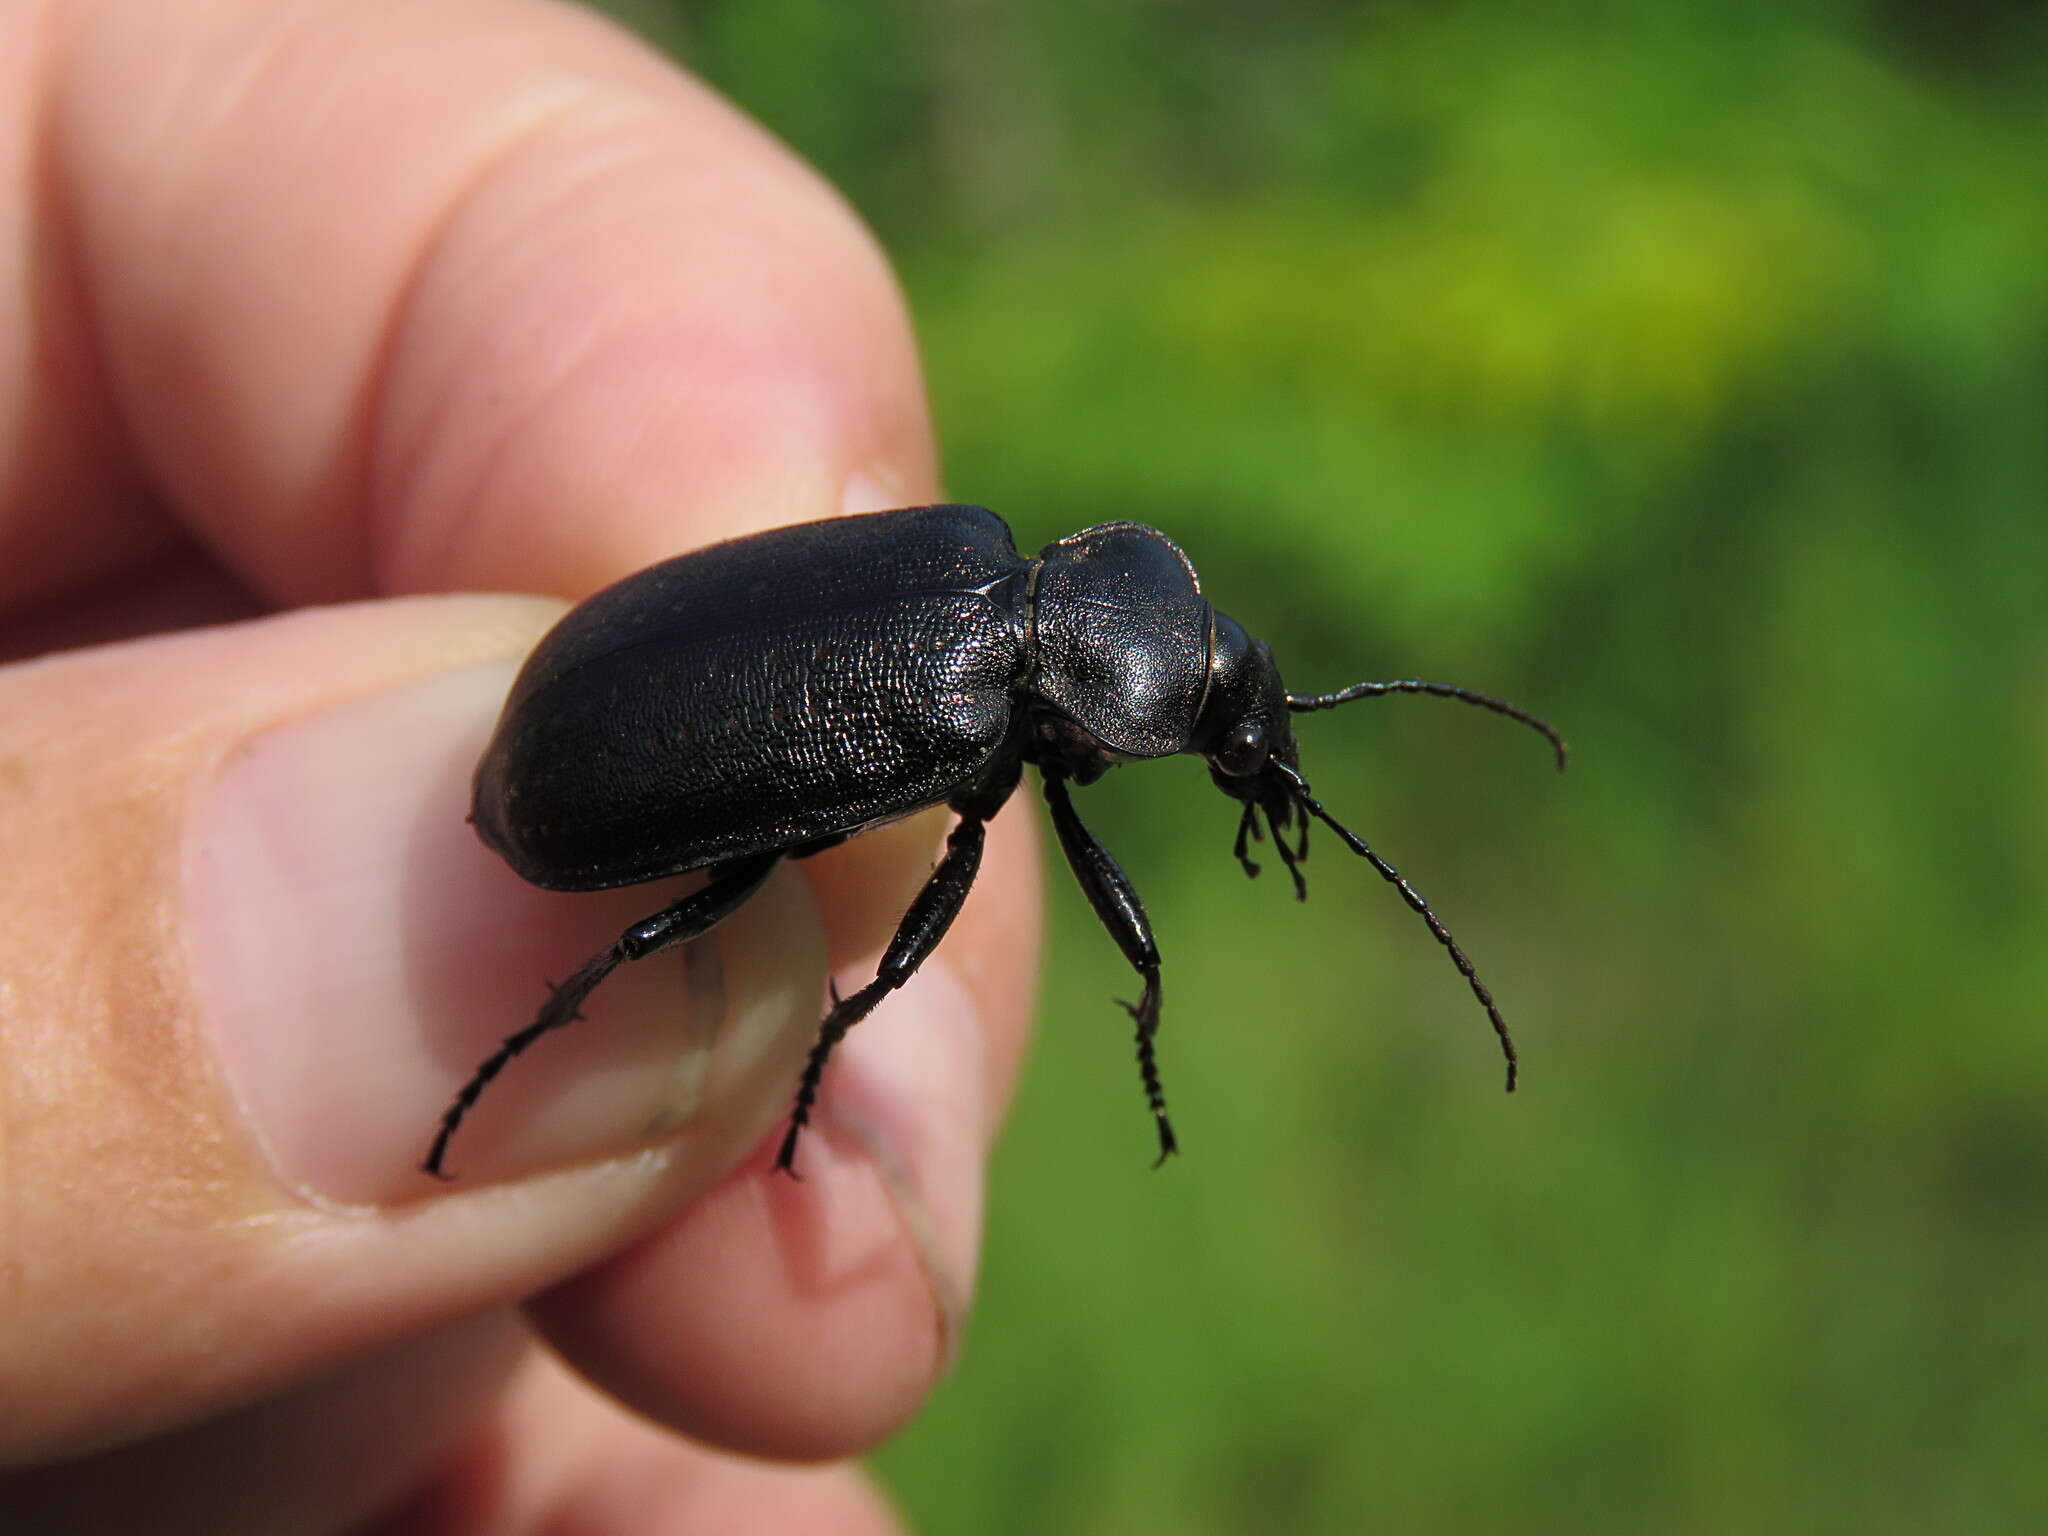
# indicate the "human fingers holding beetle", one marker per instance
pixel 324 313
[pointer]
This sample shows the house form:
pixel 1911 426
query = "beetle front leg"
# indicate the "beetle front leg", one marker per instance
pixel 1117 905
pixel 930 915
pixel 695 914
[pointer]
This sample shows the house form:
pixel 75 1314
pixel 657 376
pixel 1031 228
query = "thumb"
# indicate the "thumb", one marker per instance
pixel 248 950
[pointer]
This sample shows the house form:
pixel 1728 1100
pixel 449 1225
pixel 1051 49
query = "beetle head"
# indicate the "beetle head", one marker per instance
pixel 1246 736
pixel 1244 717
pixel 1244 733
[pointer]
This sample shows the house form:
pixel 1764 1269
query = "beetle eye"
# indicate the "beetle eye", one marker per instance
pixel 1244 750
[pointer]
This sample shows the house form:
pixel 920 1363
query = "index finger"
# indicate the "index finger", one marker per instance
pixel 390 300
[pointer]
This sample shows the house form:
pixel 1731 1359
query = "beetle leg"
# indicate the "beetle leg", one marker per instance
pixel 1247 826
pixel 1291 857
pixel 1117 905
pixel 731 884
pixel 930 915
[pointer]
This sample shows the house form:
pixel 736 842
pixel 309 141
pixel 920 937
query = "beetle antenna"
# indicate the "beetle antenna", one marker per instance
pixel 1535 723
pixel 1421 908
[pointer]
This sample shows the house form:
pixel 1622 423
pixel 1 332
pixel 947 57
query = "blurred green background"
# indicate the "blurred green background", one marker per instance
pixel 1680 371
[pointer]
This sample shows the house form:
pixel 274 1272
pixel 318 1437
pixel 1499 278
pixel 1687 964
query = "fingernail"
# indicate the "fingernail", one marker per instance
pixel 906 1106
pixel 357 952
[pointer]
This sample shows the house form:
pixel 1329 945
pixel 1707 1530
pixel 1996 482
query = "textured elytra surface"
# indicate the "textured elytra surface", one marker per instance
pixel 757 695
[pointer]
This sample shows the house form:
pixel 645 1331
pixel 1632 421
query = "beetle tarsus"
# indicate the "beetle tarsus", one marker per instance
pixel 1145 1014
pixel 785 1157
pixel 1167 1145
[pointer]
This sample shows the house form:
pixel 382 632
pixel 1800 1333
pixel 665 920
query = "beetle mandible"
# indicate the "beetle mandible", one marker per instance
pixel 771 696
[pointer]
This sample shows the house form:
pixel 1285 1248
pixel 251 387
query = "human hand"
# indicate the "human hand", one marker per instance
pixel 323 301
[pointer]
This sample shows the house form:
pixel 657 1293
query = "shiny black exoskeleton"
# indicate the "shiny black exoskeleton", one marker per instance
pixel 771 696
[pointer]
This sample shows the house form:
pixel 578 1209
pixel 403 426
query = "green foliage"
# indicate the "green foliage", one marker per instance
pixel 1678 370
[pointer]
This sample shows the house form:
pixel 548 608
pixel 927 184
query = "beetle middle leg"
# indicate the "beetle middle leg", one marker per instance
pixel 1116 904
pixel 697 913
pixel 930 915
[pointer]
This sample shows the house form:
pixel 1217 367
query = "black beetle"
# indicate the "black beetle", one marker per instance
pixel 771 696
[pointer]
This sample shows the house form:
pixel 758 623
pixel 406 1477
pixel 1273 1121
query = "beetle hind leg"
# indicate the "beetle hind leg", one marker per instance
pixel 703 909
pixel 930 915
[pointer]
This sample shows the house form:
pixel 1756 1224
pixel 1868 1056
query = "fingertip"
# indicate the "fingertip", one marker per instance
pixel 560 1456
pixel 809 1318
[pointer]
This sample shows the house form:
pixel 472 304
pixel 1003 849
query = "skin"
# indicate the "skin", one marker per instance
pixel 319 317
